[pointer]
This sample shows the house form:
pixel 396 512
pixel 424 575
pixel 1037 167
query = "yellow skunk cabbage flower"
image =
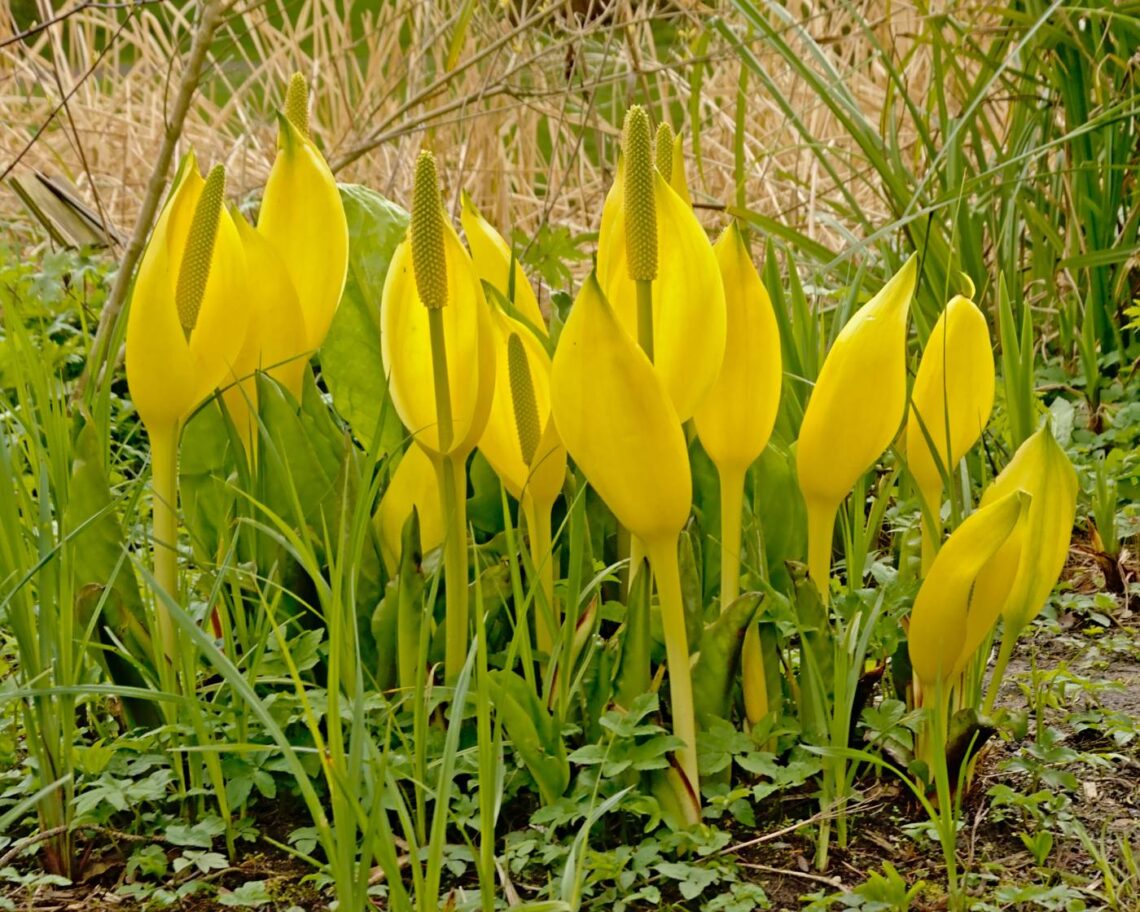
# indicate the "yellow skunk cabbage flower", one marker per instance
pixel 620 429
pixel 188 317
pixel 854 412
pixel 275 342
pixel 406 345
pixel 943 606
pixel 492 258
pixel 616 419
pixel 438 348
pixel 413 485
pixel 1021 575
pixel 950 404
pixel 1040 468
pixel 737 416
pixel 517 441
pixel 689 321
pixel 189 309
pixel 303 217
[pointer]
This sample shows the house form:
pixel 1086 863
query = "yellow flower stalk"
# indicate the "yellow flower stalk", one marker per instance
pixel 950 404
pixel 682 328
pixel 854 412
pixel 614 415
pixel 275 342
pixel 437 345
pixel 942 609
pixel 413 485
pixel 671 161
pixel 520 441
pixel 187 321
pixel 303 217
pixel 492 258
pixel 1034 559
pixel 522 446
pixel 737 416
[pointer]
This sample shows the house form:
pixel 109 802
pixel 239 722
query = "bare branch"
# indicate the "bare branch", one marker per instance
pixel 212 12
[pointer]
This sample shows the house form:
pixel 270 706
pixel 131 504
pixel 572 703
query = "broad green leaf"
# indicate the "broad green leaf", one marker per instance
pixel 350 356
pixel 715 671
pixel 533 731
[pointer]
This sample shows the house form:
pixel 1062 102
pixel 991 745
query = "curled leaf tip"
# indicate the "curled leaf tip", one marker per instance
pixel 428 259
pixel 522 397
pixel 664 151
pixel 297 104
pixel 194 270
pixel 640 210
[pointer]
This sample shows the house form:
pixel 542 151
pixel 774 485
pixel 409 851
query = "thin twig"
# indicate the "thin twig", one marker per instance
pixel 834 882
pixel 44 835
pixel 64 16
pixel 211 17
pixel 11 166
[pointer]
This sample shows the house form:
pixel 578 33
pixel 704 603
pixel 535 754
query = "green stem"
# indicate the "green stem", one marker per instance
pixel 487 760
pixel 164 480
pixel 931 522
pixel 663 559
pixel 452 480
pixel 947 827
pixel 541 555
pixel 645 316
pixel 451 475
pixel 636 555
pixel 1005 653
pixel 823 841
pixel 821 525
pixel 731 520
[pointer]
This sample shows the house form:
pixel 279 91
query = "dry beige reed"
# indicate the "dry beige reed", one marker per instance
pixel 532 95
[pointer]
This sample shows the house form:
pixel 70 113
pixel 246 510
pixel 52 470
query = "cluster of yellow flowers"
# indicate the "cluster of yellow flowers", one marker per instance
pixel 670 328
pixel 217 299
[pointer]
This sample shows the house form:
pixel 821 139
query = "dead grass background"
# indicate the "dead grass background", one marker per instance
pixel 101 77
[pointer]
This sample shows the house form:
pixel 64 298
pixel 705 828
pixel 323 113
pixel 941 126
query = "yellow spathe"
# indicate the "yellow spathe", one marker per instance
pixel 854 412
pixel 492 258
pixel 1029 565
pixel 736 418
pixel 275 342
pixel 689 319
pixel 543 475
pixel 616 419
pixel 413 485
pixel 940 617
pixel 405 346
pixel 950 403
pixel 303 217
pixel 170 371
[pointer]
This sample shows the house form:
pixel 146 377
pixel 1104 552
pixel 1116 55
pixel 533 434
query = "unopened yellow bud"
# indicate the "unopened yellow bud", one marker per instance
pixel 640 209
pixel 664 150
pixel 522 397
pixel 297 104
pixel 194 269
pixel 426 231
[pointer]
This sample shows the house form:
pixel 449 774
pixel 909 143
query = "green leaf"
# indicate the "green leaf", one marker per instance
pixel 104 579
pixel 534 732
pixel 249 895
pixel 715 671
pixel 350 357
